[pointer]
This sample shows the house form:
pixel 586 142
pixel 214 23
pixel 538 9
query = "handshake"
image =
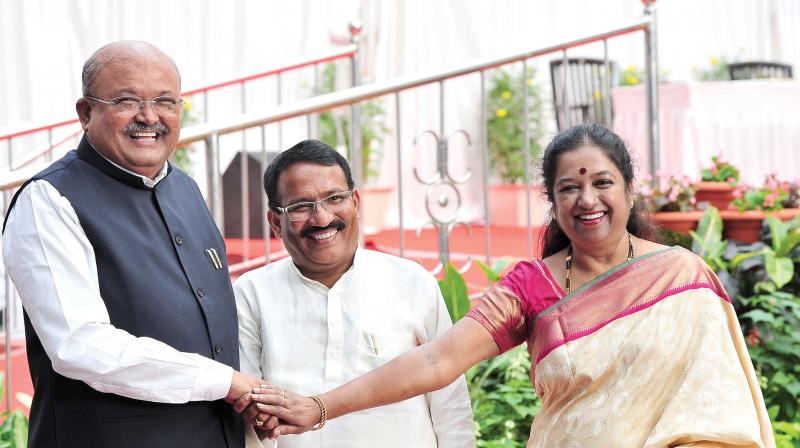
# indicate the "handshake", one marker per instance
pixel 272 411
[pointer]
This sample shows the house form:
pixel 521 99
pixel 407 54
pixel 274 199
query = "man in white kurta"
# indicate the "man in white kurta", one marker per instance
pixel 310 335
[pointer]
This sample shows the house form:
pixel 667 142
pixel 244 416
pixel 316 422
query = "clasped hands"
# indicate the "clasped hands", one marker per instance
pixel 270 410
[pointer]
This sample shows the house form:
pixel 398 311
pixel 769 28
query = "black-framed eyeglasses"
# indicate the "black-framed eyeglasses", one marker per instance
pixel 303 211
pixel 130 105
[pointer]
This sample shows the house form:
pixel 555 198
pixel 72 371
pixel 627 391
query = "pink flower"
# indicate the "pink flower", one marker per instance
pixel 713 169
pixel 772 181
pixel 673 195
pixel 730 180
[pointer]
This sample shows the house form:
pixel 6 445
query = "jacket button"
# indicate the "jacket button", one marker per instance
pixel 200 293
pixel 217 348
pixel 178 239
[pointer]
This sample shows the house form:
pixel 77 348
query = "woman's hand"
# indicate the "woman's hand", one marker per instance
pixel 297 413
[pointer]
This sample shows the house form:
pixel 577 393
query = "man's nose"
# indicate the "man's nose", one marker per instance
pixel 320 217
pixel 147 114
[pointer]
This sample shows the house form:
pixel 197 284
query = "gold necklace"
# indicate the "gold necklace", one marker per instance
pixel 568 262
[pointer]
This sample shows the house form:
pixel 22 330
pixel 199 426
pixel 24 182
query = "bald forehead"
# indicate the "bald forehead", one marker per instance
pixel 128 52
pixel 131 51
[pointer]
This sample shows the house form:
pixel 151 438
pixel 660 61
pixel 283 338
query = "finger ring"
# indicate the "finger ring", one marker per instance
pixel 258 422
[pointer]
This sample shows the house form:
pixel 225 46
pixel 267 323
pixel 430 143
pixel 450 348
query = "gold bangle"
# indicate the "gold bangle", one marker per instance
pixel 323 413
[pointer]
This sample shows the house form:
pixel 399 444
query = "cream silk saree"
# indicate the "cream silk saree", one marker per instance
pixel 648 354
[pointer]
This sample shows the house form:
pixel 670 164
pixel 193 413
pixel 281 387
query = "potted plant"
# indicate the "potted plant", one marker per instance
pixel 717 70
pixel 671 200
pixel 753 205
pixel 506 138
pixel 334 129
pixel 717 183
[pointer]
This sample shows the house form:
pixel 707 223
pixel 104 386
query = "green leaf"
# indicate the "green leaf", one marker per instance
pixel 791 240
pixel 759 316
pixel 777 230
pixel 779 269
pixel 454 291
pixel 491 274
pixel 501 264
pixel 741 257
pixel 773 412
pixel 709 232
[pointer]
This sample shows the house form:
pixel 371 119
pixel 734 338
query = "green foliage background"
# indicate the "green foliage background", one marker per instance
pixel 373 126
pixel 505 126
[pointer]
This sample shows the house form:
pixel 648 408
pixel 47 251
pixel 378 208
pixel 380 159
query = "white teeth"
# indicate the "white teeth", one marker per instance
pixel 144 135
pixel 590 216
pixel 322 236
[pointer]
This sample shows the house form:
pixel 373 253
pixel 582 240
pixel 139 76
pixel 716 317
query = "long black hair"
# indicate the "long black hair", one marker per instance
pixel 554 239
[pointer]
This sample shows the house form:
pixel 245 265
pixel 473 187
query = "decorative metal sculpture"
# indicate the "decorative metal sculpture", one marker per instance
pixel 442 192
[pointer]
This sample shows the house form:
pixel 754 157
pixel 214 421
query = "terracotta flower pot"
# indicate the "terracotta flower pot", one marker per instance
pixel 787 214
pixel 742 226
pixel 680 222
pixel 374 205
pixel 508 207
pixel 718 194
pixel 745 226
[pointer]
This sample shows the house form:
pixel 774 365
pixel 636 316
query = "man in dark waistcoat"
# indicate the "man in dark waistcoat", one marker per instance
pixel 129 314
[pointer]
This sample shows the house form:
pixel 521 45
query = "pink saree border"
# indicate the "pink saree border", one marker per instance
pixel 632 310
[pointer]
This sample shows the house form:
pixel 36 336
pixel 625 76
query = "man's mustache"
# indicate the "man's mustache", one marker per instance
pixel 337 224
pixel 134 127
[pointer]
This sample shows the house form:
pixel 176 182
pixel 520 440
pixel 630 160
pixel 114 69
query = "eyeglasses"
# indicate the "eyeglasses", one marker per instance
pixel 303 211
pixel 128 105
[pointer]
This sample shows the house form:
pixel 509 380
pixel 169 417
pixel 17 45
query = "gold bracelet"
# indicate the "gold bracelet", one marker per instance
pixel 323 413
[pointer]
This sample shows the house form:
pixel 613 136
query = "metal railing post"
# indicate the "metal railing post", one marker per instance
pixel 651 71
pixel 9 290
pixel 214 181
pixel 526 145
pixel 355 111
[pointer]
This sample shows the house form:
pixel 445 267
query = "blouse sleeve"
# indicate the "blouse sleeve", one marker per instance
pixel 502 312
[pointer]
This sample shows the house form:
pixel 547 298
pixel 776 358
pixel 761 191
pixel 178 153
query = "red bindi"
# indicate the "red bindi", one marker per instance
pixel 582 171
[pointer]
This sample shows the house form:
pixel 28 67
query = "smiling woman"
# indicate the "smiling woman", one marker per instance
pixel 632 343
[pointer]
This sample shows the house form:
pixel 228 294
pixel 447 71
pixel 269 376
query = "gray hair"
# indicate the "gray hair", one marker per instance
pixel 95 64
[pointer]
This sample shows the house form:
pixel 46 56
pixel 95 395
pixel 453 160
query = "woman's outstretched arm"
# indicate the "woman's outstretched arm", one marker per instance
pixel 423 369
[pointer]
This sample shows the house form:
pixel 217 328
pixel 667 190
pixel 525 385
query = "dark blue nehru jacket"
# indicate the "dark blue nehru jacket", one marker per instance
pixel 157 281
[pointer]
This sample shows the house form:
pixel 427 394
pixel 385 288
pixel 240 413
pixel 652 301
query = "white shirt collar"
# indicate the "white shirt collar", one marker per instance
pixel 343 279
pixel 150 183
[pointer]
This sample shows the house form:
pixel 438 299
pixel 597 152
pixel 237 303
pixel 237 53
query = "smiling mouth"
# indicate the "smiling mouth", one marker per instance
pixel 144 137
pixel 591 216
pixel 326 235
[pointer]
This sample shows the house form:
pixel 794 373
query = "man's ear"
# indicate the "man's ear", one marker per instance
pixel 84 110
pixel 275 223
pixel 356 200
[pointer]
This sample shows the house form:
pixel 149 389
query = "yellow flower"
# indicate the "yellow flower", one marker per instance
pixel 501 113
pixel 631 80
pixel 187 105
pixel 598 95
pixel 506 95
pixel 630 69
pixel 530 82
pixel 714 60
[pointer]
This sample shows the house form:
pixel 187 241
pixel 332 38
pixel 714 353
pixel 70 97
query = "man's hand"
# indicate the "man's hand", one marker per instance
pixel 242 384
pixel 240 396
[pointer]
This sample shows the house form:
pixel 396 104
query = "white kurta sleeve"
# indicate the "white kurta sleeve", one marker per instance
pixel 53 267
pixel 451 410
pixel 248 309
